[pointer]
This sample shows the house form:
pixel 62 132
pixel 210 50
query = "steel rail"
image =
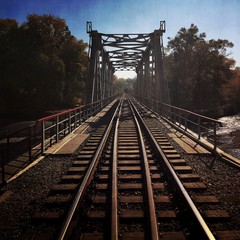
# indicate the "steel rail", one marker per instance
pixel 207 234
pixel 86 180
pixel 152 217
pixel 114 192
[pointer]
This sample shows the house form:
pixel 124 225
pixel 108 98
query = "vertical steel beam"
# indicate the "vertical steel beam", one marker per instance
pixel 91 82
pixel 160 83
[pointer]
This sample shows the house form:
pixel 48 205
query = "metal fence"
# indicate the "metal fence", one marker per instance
pixel 32 141
pixel 193 125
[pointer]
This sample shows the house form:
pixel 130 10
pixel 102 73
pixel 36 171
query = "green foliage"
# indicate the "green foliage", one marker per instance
pixel 231 92
pixel 42 65
pixel 122 85
pixel 197 69
pixel 119 85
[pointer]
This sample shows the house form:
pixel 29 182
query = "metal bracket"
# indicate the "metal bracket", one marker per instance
pixel 89 27
pixel 163 26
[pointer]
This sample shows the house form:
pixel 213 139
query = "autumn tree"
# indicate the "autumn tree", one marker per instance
pixel 231 92
pixel 197 69
pixel 8 34
pixel 44 65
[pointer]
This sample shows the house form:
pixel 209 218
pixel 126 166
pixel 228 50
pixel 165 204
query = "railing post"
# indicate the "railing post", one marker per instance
pixel 3 167
pixel 69 122
pixel 199 128
pixel 75 119
pixel 215 136
pixel 84 113
pixel 185 122
pixel 29 144
pixel 92 110
pixel 80 115
pixel 43 138
pixel 8 149
pixel 179 118
pixel 57 128
pixel 174 115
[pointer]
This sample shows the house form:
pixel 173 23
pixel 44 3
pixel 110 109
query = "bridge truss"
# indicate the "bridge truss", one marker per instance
pixel 142 53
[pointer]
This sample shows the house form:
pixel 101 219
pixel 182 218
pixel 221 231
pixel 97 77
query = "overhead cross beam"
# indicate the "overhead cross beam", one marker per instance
pixel 141 53
pixel 125 50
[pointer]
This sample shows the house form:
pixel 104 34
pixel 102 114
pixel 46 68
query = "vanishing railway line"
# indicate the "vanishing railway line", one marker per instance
pixel 128 182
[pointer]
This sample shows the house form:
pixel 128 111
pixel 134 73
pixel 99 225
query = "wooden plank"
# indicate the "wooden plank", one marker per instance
pixel 129 162
pixel 136 148
pixel 182 169
pixel 172 236
pixel 173 156
pixel 172 135
pixel 216 214
pixel 196 146
pixel 191 176
pixel 170 151
pixel 188 149
pixel 167 147
pixel 228 235
pixel 91 236
pixel 131 199
pixel 136 176
pixel 96 214
pixel 99 199
pixel 65 187
pixel 133 236
pixel 77 169
pixel 128 151
pixel 128 156
pixel 135 168
pixel 195 185
pixel 84 157
pixel 72 145
pixel 81 162
pixel 205 199
pixel 179 162
pixel 162 199
pixel 86 152
pixel 70 177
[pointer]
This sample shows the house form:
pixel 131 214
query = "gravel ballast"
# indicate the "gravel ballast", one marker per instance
pixel 27 194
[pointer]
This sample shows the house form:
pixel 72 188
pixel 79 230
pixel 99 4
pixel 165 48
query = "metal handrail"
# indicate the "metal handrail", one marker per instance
pixel 188 122
pixel 57 126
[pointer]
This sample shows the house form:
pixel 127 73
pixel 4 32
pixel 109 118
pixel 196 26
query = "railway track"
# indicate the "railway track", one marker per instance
pixel 128 182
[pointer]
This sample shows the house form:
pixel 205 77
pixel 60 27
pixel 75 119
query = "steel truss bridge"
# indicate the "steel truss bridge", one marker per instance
pixel 142 53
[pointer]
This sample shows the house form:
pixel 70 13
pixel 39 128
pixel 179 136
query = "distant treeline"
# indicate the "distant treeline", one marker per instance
pixel 200 75
pixel 42 65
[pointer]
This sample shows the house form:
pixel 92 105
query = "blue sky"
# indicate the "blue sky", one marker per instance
pixel 217 18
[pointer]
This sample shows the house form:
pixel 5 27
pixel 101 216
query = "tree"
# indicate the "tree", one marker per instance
pixel 197 69
pixel 231 92
pixel 44 66
pixel 119 85
pixel 8 32
pixel 75 59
